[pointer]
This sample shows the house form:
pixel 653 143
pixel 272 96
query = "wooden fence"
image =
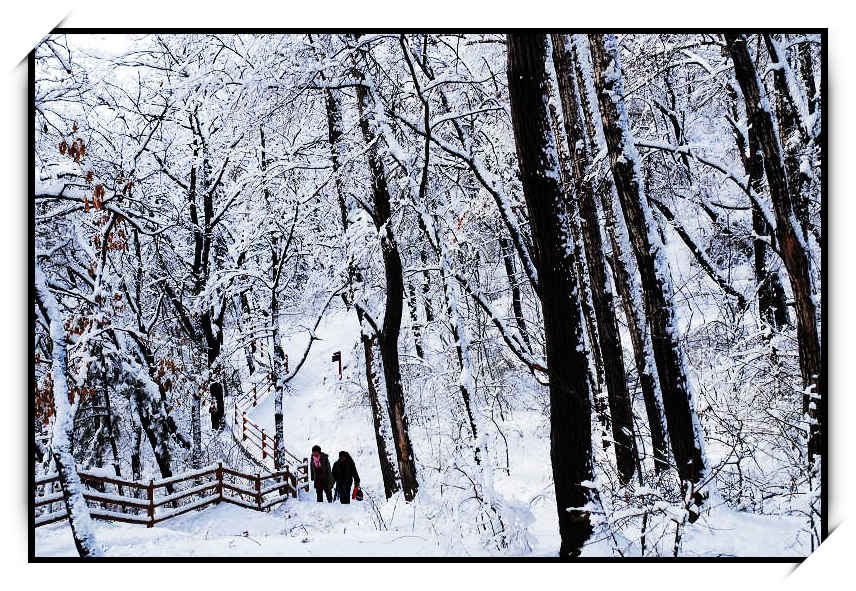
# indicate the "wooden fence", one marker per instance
pixel 158 500
pixel 257 442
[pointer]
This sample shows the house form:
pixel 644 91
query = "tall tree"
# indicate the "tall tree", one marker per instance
pixel 389 333
pixel 621 263
pixel 790 236
pixel 570 398
pixel 620 409
pixel 72 489
pixel 380 419
pixel 658 293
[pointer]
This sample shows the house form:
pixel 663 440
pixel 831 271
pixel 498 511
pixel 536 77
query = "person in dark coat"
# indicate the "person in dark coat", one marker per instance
pixel 319 470
pixel 345 474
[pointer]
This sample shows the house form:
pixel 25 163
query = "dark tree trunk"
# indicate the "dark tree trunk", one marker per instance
pixel 381 430
pixel 387 469
pixel 623 273
pixel 620 409
pixel 249 351
pixel 426 286
pixel 510 272
pixel 771 294
pixel 414 320
pixel 156 429
pixel 576 252
pixel 136 464
pixel 394 301
pixel 681 419
pixel 570 407
pixel 789 236
pixel 791 134
pixel 212 328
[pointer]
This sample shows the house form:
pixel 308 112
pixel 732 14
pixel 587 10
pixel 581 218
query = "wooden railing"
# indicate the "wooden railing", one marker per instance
pixel 258 443
pixel 254 396
pixel 192 490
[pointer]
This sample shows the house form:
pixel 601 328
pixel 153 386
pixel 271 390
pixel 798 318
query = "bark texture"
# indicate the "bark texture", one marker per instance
pixel 683 427
pixel 570 406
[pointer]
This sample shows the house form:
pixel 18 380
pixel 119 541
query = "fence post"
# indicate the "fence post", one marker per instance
pixel 244 427
pixel 150 492
pixel 259 490
pixel 255 395
pixel 220 480
pixel 264 453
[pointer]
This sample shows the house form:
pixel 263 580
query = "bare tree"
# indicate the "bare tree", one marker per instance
pixel 684 430
pixel 570 402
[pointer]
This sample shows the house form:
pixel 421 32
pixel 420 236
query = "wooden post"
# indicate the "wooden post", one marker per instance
pixel 337 356
pixel 220 480
pixel 264 453
pixel 255 394
pixel 259 491
pixel 150 492
pixel 244 427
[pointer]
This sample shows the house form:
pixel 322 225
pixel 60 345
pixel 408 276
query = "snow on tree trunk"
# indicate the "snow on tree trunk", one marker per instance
pixel 394 292
pixel 789 235
pixel 72 489
pixel 620 409
pixel 682 421
pixel 623 268
pixel 570 398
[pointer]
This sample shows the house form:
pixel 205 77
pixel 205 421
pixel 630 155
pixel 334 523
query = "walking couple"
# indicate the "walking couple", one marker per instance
pixel 341 476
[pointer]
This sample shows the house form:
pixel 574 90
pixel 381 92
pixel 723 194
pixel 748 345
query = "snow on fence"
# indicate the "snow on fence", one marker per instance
pixel 255 440
pixel 158 500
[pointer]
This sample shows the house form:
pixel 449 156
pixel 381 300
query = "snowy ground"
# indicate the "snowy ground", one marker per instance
pixel 319 409
pixel 309 529
pixel 303 529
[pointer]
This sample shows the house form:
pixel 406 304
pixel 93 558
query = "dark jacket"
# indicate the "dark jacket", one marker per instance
pixel 321 477
pixel 345 471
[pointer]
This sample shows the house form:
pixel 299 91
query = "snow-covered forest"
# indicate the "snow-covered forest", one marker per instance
pixel 557 295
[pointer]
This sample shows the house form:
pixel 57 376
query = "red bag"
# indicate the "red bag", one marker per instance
pixel 354 495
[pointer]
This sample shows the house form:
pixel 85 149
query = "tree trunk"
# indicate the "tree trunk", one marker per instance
pixel 380 418
pixel 684 429
pixel 620 408
pixel 792 133
pixel 576 252
pixel 511 274
pixel 212 328
pixel 278 362
pixel 249 350
pixel 426 287
pixel 623 272
pixel 771 295
pixel 394 296
pixel 789 235
pixel 72 489
pixel 570 406
pixel 414 320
